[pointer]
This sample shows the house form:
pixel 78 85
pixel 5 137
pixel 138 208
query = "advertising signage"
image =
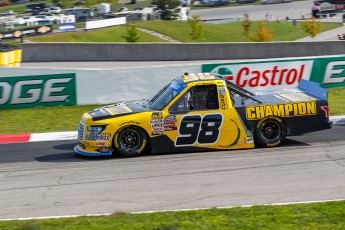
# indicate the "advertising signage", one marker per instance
pixel 276 74
pixel 38 91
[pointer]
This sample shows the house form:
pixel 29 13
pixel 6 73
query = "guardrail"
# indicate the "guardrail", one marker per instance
pixel 41 52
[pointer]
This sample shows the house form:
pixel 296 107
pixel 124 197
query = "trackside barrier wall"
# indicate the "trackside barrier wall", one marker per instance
pixel 92 86
pixel 41 52
pixel 31 87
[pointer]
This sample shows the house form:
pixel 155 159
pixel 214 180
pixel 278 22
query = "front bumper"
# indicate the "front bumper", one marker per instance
pixel 78 150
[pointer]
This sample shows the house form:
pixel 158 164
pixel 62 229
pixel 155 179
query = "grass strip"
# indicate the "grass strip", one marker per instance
pixel 66 118
pixel 109 34
pixel 180 30
pixel 328 215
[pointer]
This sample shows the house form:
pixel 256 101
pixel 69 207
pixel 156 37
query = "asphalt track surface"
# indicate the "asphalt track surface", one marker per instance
pixel 49 179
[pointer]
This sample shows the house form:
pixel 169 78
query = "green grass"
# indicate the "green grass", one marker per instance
pixel 66 118
pixel 227 32
pixel 329 215
pixel 46 119
pixel 109 34
pixel 336 101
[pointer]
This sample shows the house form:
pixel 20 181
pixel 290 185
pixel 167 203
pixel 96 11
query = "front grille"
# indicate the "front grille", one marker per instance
pixel 81 131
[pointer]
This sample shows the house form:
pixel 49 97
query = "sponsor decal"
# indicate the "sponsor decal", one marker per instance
pixel 100 137
pixel 335 72
pixel 282 110
pixel 156 123
pixel 223 101
pixel 170 118
pixel 100 144
pixel 221 90
pixel 168 126
pixel 169 123
pixel 263 74
pixel 156 115
pixel 37 91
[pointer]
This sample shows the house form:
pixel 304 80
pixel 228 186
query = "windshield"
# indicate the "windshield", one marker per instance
pixel 166 95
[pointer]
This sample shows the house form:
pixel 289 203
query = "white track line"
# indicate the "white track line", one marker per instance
pixel 176 210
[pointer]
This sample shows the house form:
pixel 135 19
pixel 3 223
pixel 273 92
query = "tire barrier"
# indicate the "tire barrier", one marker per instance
pixel 10 55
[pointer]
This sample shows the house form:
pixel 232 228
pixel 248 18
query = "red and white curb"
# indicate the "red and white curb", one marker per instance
pixel 73 135
pixel 38 137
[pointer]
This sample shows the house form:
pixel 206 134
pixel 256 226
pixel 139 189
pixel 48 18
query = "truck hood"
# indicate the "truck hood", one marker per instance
pixel 119 109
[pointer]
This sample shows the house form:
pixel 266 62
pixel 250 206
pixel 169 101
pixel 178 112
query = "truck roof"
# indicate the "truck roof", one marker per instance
pixel 186 77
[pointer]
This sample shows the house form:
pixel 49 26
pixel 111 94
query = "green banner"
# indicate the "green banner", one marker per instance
pixel 329 71
pixel 38 91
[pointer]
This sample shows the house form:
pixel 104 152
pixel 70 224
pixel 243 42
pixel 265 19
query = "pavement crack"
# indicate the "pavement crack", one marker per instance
pixel 338 161
pixel 59 180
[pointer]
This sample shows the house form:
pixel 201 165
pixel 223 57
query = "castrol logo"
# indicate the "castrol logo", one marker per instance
pixel 266 74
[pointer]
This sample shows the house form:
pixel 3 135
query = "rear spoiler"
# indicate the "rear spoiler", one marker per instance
pixel 313 89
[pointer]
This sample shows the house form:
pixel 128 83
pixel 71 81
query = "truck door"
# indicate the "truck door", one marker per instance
pixel 203 118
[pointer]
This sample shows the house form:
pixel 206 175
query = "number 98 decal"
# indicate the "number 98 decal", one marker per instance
pixel 198 129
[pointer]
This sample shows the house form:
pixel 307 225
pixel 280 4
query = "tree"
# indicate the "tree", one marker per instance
pixel 64 3
pixel 246 23
pixel 312 27
pixel 196 28
pixel 168 8
pixel 132 34
pixel 89 3
pixel 262 35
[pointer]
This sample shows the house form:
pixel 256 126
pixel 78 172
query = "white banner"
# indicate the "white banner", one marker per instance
pixel 105 23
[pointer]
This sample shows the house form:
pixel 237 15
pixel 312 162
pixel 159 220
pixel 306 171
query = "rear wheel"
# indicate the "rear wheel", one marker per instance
pixel 270 132
pixel 130 141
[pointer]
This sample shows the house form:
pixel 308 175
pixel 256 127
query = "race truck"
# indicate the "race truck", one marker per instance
pixel 202 112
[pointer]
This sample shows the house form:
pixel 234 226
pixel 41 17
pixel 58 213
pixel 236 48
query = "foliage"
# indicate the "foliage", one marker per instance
pixel 196 28
pixel 64 3
pixel 132 34
pixel 246 23
pixel 168 8
pixel 262 35
pixel 312 27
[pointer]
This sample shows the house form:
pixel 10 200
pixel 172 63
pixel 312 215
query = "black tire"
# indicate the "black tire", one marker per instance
pixel 270 132
pixel 130 141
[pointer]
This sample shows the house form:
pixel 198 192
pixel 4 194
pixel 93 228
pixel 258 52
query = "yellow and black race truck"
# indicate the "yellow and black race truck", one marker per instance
pixel 202 112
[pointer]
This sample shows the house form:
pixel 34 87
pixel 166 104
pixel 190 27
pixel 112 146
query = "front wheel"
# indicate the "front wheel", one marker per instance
pixel 130 141
pixel 270 132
